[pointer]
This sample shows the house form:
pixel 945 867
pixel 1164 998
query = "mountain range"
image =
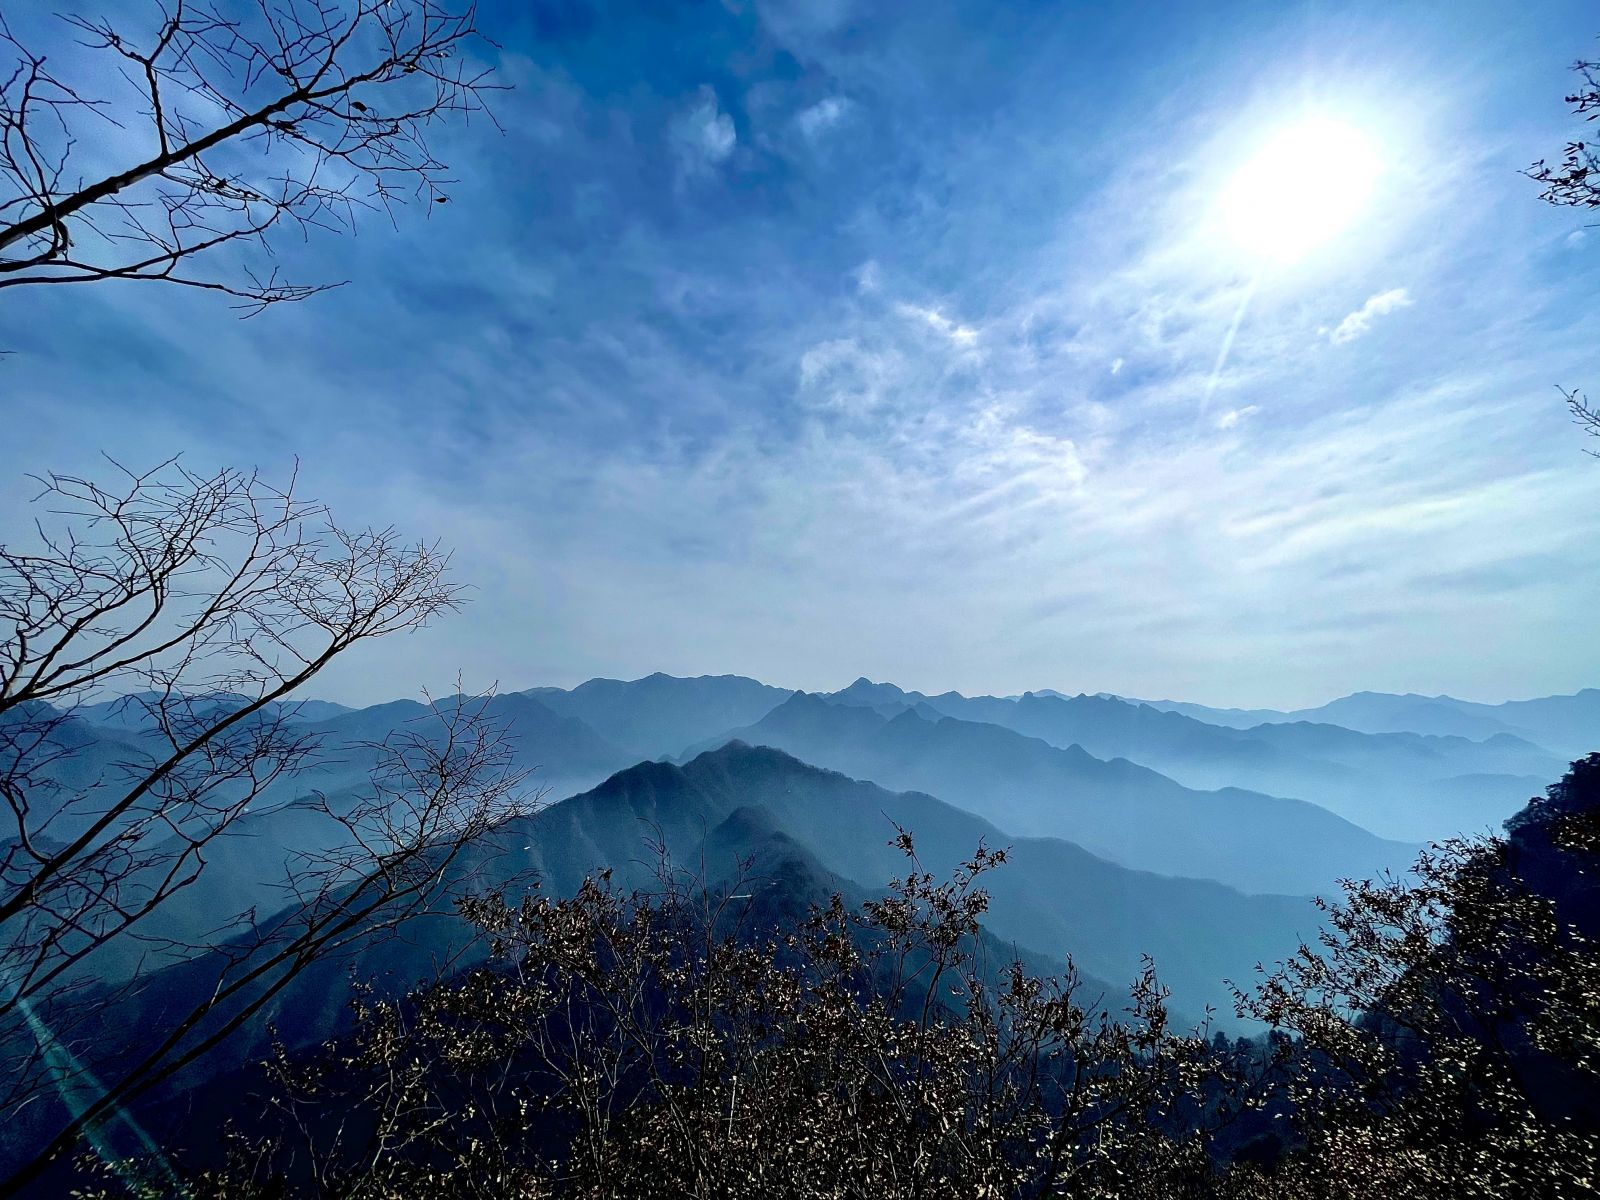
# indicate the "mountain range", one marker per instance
pixel 1402 785
pixel 1565 725
pixel 1194 835
pixel 1129 795
pixel 1120 810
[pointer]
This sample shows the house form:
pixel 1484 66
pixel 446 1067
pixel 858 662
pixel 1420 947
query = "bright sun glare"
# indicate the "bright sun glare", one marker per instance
pixel 1303 187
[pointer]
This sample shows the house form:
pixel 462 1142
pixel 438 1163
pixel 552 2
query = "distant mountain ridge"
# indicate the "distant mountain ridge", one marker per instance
pixel 1053 898
pixel 1134 828
pixel 1190 798
pixel 1396 784
pixel 661 714
pixel 247 868
pixel 750 814
pixel 1405 767
pixel 136 710
pixel 1568 726
pixel 1118 809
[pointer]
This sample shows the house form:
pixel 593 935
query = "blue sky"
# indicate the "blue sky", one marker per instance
pixel 812 340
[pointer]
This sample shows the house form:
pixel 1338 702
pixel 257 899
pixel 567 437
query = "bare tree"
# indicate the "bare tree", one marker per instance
pixel 234 119
pixel 1584 413
pixel 1575 183
pixel 204 603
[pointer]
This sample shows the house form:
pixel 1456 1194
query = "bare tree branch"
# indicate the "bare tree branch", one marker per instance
pixel 1575 183
pixel 298 113
pixel 204 602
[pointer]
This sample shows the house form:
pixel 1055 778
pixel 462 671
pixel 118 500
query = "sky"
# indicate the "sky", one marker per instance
pixel 816 339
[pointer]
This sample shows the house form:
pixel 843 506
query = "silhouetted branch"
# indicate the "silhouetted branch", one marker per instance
pixel 203 602
pixel 303 113
pixel 1584 413
pixel 1576 181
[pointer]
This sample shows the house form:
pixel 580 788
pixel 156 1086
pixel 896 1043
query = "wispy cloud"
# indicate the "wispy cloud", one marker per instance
pixel 961 335
pixel 817 119
pixel 1359 322
pixel 843 376
pixel 703 135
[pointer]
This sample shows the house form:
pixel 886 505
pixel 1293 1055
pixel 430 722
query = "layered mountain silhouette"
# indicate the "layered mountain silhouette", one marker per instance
pixel 1402 785
pixel 1134 784
pixel 1189 834
pixel 661 714
pixel 785 834
pixel 1118 809
pixel 137 711
pixel 249 869
pixel 755 874
pixel 1568 726
pixel 565 753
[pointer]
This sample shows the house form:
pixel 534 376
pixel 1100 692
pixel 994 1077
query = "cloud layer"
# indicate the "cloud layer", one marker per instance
pixel 841 341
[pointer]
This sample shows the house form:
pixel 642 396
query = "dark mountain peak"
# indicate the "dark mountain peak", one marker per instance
pixel 1057 700
pixel 751 841
pixel 388 715
pixel 650 775
pixel 739 757
pixel 801 702
pixel 36 710
pixel 661 679
pixel 811 711
pixel 662 714
pixel 769 878
pixel 512 703
pixel 737 769
pixel 865 691
pixel 916 715
pixel 1509 741
pixel 800 716
pixel 745 825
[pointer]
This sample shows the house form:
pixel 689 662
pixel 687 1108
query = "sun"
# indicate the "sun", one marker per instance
pixel 1303 187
